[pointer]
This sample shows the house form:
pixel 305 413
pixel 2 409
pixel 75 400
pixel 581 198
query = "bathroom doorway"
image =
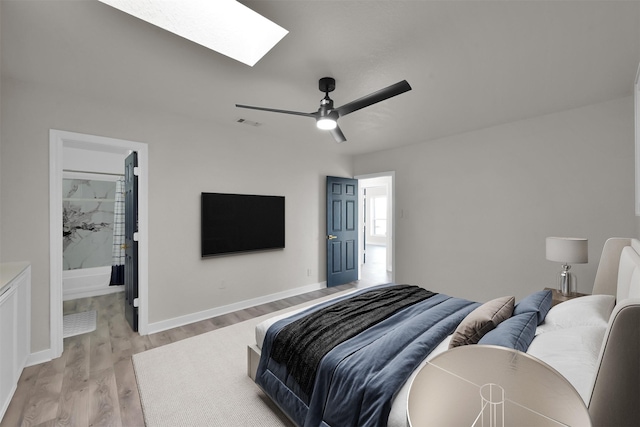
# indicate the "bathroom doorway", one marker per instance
pixel 62 145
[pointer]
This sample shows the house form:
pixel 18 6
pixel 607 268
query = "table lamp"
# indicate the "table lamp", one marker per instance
pixel 567 250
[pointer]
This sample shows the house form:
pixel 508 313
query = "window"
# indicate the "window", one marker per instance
pixel 379 215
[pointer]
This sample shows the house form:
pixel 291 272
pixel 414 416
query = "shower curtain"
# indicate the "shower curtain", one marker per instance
pixel 117 259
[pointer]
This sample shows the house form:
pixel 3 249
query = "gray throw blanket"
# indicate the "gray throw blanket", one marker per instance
pixel 303 343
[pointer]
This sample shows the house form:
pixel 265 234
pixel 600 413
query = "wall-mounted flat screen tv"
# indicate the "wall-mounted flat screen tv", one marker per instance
pixel 233 223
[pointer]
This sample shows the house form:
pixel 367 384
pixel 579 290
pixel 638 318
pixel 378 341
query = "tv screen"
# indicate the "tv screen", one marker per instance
pixel 233 223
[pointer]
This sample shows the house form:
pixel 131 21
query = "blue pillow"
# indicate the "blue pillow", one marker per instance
pixel 538 302
pixel 516 332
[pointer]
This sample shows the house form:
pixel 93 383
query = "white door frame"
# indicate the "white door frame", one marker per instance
pixel 390 239
pixel 58 140
pixel 636 97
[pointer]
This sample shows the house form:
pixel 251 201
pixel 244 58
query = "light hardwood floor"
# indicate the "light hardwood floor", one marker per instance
pixel 93 383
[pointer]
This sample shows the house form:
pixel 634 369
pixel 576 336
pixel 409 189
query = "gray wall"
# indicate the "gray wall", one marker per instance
pixel 0 149
pixel 473 210
pixel 186 158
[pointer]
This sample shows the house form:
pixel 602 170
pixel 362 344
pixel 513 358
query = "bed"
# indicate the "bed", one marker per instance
pixel 593 341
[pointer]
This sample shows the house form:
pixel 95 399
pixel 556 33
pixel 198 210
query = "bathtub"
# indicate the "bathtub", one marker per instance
pixel 87 282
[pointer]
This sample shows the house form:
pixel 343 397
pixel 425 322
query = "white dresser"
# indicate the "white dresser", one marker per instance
pixel 15 327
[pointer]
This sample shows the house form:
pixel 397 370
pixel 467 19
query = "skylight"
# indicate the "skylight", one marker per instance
pixel 226 26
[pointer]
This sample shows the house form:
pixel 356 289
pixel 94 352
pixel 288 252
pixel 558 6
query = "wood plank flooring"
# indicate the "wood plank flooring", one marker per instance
pixel 93 382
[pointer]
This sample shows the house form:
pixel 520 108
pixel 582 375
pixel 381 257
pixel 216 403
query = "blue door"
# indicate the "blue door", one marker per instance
pixel 131 240
pixel 342 230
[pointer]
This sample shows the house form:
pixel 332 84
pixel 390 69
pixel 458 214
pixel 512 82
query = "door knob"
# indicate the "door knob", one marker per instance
pixel 331 237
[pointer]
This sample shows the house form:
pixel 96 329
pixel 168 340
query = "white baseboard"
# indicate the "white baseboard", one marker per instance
pixel 46 355
pixel 164 325
pixel 39 357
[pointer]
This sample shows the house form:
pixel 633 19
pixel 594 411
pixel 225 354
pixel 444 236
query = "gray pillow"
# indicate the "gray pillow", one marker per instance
pixel 482 320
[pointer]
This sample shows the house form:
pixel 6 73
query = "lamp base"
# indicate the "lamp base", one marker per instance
pixel 567 282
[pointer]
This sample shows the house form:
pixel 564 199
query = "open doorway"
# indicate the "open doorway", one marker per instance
pixel 60 145
pixel 376 226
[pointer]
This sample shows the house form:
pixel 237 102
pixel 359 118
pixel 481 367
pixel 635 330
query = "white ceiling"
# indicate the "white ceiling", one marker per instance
pixel 471 64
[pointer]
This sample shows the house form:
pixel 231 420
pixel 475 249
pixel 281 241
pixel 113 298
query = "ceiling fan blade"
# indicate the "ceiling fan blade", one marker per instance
pixel 372 98
pixel 337 134
pixel 273 110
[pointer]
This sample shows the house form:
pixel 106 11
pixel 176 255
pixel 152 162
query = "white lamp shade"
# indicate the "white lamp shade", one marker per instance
pixel 569 250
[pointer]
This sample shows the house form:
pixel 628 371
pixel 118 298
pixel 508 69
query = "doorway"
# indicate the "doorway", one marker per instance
pixel 61 143
pixel 376 227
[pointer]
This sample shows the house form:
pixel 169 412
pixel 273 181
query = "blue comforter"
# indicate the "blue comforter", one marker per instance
pixel 356 382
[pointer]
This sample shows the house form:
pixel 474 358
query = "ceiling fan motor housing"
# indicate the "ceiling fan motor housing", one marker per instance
pixel 327 84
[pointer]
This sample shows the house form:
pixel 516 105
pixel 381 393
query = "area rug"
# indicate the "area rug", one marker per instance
pixel 202 381
pixel 78 323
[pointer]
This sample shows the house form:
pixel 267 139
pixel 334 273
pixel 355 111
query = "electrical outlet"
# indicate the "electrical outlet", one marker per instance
pixel 308 272
pixel 223 284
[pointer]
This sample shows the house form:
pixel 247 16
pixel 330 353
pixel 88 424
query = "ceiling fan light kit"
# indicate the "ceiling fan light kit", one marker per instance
pixel 327 116
pixel 326 123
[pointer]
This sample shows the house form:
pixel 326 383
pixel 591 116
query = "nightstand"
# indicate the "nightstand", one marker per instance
pixel 557 296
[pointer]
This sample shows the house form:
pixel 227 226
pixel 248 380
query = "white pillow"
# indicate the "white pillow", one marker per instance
pixel 590 310
pixel 572 352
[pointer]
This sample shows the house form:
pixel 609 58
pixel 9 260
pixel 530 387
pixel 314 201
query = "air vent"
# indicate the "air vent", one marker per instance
pixel 248 122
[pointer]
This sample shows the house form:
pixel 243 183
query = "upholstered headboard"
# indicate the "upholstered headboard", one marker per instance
pixel 615 399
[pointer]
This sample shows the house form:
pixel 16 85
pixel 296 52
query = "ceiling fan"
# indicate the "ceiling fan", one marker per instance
pixel 327 116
